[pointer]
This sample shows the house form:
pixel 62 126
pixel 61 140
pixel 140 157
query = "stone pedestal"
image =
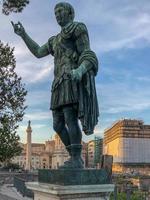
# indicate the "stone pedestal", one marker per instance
pixel 74 176
pixel 72 184
pixel 75 192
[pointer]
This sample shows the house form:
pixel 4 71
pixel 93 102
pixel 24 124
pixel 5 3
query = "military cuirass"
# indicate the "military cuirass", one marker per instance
pixel 64 90
pixel 65 55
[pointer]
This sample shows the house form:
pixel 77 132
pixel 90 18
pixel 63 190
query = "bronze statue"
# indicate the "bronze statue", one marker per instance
pixel 73 88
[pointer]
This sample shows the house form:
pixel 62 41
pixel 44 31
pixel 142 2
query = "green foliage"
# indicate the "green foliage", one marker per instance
pixel 12 166
pixel 123 196
pixel 12 97
pixel 120 196
pixel 13 6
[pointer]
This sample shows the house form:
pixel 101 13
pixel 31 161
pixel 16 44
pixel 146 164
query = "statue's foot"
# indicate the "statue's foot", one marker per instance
pixel 73 164
pixel 82 160
pixel 69 161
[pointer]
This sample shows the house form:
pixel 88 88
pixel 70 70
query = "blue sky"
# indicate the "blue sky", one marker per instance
pixel 119 34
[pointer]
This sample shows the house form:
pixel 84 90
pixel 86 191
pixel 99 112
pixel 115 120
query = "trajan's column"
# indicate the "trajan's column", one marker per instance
pixel 28 149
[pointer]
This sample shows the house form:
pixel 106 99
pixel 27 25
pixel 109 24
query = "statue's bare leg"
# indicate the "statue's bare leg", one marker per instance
pixel 71 119
pixel 75 135
pixel 59 126
pixel 65 123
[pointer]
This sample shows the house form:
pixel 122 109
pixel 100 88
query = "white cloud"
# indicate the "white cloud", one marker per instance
pixel 33 70
pixel 34 126
pixel 20 50
pixel 40 132
pixel 35 99
pixel 37 116
pixel 45 72
pixel 114 25
pixel 119 97
pixel 143 78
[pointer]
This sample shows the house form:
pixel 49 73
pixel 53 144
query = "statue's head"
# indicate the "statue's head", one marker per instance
pixel 64 13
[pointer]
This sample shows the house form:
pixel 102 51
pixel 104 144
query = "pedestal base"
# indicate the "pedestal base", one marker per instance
pixel 74 176
pixel 74 192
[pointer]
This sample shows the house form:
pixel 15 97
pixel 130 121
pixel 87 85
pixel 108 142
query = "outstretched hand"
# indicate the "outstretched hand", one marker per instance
pixel 76 75
pixel 18 28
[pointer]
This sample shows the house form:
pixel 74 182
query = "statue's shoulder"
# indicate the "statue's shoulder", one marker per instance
pixel 50 44
pixel 80 28
pixel 80 25
pixel 51 39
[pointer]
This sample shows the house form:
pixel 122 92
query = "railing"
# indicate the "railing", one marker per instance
pixel 19 184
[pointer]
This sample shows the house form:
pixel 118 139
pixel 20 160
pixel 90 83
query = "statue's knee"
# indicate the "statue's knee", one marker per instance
pixel 57 127
pixel 72 123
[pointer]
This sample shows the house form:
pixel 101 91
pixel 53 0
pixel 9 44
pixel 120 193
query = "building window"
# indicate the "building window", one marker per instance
pixel 44 165
pixel 57 164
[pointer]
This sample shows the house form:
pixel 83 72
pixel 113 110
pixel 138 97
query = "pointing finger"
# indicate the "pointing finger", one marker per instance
pixel 12 23
pixel 20 23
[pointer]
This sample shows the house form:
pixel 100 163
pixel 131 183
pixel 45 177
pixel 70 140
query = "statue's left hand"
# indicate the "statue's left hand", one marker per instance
pixel 18 28
pixel 76 75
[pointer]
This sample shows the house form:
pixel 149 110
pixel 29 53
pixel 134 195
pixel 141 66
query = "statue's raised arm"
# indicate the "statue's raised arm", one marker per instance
pixel 35 49
pixel 18 29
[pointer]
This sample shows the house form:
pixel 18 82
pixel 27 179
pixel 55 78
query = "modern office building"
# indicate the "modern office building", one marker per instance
pixel 95 150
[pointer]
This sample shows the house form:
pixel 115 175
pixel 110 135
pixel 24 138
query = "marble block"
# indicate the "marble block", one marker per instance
pixel 75 192
pixel 74 176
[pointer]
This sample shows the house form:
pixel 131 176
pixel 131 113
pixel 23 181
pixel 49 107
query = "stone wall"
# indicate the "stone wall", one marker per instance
pixel 8 177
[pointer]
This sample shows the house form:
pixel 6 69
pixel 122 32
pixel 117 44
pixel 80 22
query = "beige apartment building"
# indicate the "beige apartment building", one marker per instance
pixel 129 142
pixel 41 155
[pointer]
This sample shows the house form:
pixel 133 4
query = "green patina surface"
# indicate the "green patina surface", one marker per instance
pixel 74 176
pixel 73 93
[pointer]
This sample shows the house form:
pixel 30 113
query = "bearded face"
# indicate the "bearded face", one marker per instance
pixel 62 16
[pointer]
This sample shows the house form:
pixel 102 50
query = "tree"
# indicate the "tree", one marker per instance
pixel 13 6
pixel 123 196
pixel 12 98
